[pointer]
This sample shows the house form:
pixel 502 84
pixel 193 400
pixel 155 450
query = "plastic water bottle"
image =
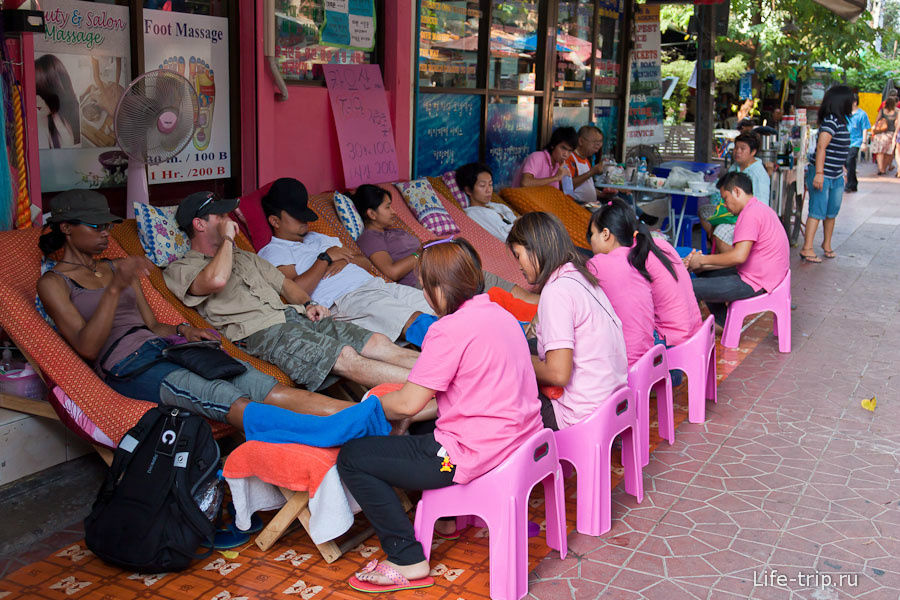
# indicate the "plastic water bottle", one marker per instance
pixel 568 187
pixel 642 172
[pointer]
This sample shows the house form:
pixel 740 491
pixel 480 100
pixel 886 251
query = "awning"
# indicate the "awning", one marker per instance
pixel 847 9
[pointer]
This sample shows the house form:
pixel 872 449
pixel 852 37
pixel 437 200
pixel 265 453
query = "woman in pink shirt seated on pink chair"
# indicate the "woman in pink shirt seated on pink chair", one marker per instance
pixel 644 279
pixel 580 342
pixel 476 363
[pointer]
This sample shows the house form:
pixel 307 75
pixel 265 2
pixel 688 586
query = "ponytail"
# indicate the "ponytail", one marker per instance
pixel 52 240
pixel 619 219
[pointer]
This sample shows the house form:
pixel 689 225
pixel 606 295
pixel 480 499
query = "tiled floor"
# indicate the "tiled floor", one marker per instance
pixel 790 489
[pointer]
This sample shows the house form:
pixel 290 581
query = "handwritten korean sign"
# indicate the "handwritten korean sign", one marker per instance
pixel 364 129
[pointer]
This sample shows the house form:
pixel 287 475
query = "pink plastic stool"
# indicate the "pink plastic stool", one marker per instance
pixel 587 445
pixel 500 499
pixel 778 301
pixel 696 356
pixel 651 373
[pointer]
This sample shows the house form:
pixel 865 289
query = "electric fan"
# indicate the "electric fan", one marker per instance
pixel 155 119
pixel 651 153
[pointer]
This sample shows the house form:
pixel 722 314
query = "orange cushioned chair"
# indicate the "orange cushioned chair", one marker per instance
pixel 495 256
pixel 52 357
pixel 544 198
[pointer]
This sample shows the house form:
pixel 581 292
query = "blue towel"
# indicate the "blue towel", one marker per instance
pixel 415 333
pixel 267 423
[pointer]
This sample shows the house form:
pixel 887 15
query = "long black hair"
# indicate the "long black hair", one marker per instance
pixel 53 84
pixel 837 102
pixel 368 196
pixel 619 219
pixel 544 237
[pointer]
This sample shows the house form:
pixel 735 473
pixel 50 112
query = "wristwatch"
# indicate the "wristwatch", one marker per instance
pixel 179 326
pixel 324 256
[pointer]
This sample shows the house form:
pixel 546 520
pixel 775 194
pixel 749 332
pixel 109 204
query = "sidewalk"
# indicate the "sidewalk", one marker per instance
pixel 789 477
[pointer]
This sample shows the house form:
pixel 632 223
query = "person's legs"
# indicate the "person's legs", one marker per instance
pixel 370 370
pixel 724 235
pixel 370 468
pixel 852 182
pixel 835 197
pixel 386 308
pixel 719 287
pixel 818 203
pixel 382 349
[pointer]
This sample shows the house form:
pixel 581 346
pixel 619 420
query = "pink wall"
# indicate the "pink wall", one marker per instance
pixel 297 138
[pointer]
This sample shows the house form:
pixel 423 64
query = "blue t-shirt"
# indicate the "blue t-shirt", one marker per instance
pixel 757 173
pixel 857 123
pixel 837 149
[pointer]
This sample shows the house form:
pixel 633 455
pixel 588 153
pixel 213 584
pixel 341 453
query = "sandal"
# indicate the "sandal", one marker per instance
pixel 810 258
pixel 362 583
pixel 829 253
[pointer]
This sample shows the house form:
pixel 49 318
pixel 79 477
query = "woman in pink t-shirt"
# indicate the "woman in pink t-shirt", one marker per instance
pixel 580 343
pixel 475 362
pixel 625 260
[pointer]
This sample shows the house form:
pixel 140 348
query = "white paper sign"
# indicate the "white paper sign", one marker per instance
pixel 195 46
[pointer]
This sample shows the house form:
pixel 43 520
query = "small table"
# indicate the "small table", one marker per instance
pixel 676 224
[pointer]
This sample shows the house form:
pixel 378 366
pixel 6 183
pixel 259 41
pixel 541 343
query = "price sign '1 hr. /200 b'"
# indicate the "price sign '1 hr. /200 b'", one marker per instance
pixel 363 124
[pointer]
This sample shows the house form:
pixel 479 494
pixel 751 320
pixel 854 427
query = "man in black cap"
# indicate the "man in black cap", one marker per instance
pixel 240 294
pixel 334 276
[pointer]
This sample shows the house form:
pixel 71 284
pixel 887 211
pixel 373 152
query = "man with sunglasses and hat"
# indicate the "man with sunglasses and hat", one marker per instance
pixel 240 294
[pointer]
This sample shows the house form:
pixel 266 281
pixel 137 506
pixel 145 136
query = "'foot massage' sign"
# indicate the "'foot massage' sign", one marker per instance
pixel 195 47
pixel 365 133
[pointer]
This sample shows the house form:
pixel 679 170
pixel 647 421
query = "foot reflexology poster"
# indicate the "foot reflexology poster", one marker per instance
pixel 196 47
pixel 82 66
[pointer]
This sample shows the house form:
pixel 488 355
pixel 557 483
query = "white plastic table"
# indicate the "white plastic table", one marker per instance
pixel 675 223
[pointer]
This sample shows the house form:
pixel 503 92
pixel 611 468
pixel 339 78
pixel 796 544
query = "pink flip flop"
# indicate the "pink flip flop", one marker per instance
pixel 398 581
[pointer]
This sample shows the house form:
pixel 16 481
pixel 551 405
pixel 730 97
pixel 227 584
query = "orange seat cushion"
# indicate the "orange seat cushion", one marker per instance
pixel 544 198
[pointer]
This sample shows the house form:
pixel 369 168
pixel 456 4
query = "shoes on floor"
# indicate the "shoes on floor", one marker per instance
pixel 850 190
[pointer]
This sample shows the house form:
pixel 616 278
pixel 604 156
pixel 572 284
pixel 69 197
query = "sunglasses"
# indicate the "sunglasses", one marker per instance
pixel 211 197
pixel 101 227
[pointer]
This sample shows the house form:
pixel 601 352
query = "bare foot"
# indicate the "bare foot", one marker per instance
pixel 415 571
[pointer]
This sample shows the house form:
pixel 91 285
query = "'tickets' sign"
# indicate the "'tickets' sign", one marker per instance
pixel 196 47
pixel 364 129
pixel 645 110
pixel 81 68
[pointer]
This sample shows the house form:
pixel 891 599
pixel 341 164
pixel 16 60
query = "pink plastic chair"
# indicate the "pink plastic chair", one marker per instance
pixel 651 373
pixel 696 356
pixel 500 499
pixel 587 445
pixel 778 301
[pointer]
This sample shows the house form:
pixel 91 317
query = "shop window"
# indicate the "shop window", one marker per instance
pixel 447 131
pixel 511 135
pixel 571 113
pixel 606 64
pixel 513 46
pixel 210 8
pixel 573 45
pixel 606 118
pixel 307 36
pixel 448 43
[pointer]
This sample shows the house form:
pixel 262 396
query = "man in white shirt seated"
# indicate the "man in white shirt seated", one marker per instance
pixel 477 182
pixel 332 275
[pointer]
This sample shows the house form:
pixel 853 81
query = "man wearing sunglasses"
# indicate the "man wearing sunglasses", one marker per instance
pixel 240 294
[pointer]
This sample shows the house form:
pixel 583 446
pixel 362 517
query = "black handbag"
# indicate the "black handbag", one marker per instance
pixel 205 358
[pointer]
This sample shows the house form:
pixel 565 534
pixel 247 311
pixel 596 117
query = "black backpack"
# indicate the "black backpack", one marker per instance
pixel 161 495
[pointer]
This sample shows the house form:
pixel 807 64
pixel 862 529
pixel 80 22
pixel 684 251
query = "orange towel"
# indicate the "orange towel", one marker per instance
pixel 292 466
pixel 521 310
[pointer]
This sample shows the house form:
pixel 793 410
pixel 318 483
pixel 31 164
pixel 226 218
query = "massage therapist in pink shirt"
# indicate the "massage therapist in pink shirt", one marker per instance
pixel 619 263
pixel 580 342
pixel 548 166
pixel 759 260
pixel 476 363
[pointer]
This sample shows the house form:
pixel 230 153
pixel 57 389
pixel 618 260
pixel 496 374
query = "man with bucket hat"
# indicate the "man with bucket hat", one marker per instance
pixel 240 294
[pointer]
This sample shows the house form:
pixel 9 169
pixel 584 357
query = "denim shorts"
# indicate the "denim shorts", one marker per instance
pixel 824 203
pixel 170 384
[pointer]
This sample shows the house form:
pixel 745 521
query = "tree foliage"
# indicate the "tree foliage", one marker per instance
pixel 872 75
pixel 726 72
pixel 790 36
